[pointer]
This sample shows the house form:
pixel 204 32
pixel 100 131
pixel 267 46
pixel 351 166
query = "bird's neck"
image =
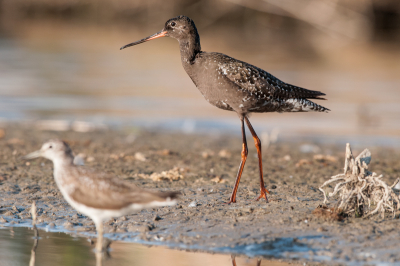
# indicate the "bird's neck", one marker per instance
pixel 189 48
pixel 65 160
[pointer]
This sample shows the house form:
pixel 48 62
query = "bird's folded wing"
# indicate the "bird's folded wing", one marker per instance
pixel 97 198
pixel 257 81
pixel 106 193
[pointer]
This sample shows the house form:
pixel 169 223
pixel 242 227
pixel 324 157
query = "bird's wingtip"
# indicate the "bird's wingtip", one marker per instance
pixel 327 110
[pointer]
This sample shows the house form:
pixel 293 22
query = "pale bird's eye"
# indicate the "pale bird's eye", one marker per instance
pixel 173 24
pixel 50 147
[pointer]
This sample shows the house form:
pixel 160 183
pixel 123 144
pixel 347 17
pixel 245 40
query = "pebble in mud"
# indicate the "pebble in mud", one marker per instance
pixel 121 219
pixel 135 228
pixel 51 225
pixel 120 230
pixel 211 224
pixel 68 225
pixel 193 204
pixel 157 218
pixel 8 213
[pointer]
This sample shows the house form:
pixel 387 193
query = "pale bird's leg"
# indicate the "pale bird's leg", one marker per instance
pixel 99 243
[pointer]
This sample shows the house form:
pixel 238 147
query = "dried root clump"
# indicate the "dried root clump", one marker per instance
pixel 358 189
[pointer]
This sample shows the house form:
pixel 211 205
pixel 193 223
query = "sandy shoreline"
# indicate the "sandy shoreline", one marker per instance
pixel 282 228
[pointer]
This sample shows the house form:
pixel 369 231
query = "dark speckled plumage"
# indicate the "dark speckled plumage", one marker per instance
pixel 234 85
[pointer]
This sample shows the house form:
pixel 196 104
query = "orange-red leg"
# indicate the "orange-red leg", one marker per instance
pixel 233 257
pixel 241 166
pixel 233 260
pixel 257 143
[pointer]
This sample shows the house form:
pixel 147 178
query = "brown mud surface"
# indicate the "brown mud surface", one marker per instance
pixel 205 169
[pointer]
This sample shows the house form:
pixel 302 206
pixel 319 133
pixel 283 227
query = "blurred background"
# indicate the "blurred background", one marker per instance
pixel 61 67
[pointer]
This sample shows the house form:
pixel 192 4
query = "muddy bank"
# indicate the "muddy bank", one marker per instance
pixel 203 169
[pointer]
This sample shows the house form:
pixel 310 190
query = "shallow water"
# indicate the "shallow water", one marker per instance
pixel 17 244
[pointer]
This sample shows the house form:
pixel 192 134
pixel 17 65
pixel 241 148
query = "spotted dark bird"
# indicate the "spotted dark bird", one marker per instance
pixel 234 85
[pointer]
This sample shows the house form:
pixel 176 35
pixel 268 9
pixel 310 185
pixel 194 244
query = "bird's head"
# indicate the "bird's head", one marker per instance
pixel 52 150
pixel 180 28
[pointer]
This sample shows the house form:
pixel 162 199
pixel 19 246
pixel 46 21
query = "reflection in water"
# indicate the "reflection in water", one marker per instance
pixel 35 244
pixel 105 252
pixel 99 258
pixel 98 255
pixel 63 249
pixel 233 257
pixel 35 235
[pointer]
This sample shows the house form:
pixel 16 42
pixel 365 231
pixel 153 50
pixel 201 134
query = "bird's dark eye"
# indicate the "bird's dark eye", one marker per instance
pixel 173 24
pixel 50 147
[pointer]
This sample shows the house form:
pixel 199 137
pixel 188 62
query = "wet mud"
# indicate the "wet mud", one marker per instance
pixel 203 168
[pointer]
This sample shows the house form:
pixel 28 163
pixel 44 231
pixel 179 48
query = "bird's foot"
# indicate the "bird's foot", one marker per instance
pixel 263 194
pixel 230 201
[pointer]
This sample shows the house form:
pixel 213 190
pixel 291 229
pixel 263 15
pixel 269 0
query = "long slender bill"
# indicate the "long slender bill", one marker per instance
pixel 152 37
pixel 32 155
